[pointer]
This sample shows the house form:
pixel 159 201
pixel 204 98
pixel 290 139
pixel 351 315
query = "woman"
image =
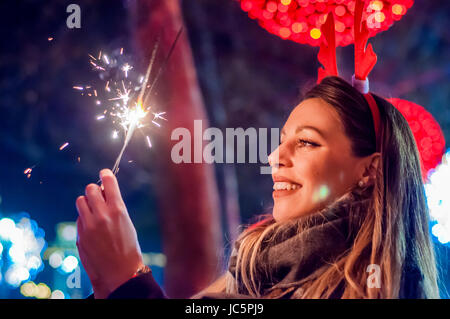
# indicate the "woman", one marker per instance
pixel 349 218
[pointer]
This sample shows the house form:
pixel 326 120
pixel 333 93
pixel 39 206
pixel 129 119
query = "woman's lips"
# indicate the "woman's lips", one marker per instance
pixel 284 186
pixel 285 189
pixel 284 192
pixel 279 178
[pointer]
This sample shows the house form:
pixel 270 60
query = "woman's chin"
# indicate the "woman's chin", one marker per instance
pixel 282 214
pixel 282 211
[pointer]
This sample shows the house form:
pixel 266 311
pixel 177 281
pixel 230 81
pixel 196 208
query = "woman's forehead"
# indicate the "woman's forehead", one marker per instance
pixel 316 113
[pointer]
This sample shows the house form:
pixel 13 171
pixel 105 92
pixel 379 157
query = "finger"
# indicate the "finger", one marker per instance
pixel 95 199
pixel 111 186
pixel 80 227
pixel 80 234
pixel 83 210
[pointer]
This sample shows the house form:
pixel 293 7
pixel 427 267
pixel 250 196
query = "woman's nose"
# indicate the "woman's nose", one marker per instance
pixel 274 158
pixel 279 157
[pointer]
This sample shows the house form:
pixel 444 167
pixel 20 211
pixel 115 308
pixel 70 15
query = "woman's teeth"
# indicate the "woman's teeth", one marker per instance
pixel 285 186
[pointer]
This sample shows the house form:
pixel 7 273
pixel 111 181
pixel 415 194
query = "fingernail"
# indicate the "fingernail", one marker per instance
pixel 104 172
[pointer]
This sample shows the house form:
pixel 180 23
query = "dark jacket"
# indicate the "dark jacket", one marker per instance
pixel 145 287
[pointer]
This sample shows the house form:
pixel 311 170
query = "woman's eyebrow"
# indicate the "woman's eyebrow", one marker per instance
pixel 304 127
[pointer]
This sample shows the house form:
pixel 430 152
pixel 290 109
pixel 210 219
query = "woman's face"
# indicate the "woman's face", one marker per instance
pixel 313 165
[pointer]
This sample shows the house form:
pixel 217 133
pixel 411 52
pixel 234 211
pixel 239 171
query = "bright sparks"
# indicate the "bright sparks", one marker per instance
pixel 125 68
pixel 27 172
pixel 126 95
pixel 63 146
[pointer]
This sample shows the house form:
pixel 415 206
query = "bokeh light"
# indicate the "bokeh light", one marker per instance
pixel 427 133
pixel 273 15
pixel 69 264
pixel 22 243
pixel 438 200
pixel 57 294
pixel 55 260
pixel 321 194
pixel 69 233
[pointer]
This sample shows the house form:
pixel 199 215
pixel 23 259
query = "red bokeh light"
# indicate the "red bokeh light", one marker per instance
pixel 427 133
pixel 274 15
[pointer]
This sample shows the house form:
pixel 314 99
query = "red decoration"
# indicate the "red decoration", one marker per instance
pixel 427 133
pixel 301 20
pixel 327 51
pixel 365 58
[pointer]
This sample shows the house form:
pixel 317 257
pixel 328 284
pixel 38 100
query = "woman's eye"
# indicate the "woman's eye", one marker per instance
pixel 302 142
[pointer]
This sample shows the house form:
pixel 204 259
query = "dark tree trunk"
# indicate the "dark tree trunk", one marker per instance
pixel 187 193
pixel 196 14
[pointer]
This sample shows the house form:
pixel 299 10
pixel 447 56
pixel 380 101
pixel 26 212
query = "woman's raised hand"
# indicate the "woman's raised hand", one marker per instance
pixel 107 240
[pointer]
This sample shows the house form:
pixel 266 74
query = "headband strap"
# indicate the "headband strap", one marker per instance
pixel 363 87
pixel 375 115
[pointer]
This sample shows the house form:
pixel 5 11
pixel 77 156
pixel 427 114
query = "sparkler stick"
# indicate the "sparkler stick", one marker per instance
pixel 138 108
pixel 166 60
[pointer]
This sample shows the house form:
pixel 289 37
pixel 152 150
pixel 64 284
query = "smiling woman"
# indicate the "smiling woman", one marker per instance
pixel 342 207
pixel 347 221
pixel 315 153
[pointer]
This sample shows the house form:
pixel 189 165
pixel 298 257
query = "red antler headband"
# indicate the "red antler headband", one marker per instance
pixel 327 52
pixel 365 60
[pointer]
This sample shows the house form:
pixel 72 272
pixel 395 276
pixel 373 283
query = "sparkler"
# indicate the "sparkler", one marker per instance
pixel 126 94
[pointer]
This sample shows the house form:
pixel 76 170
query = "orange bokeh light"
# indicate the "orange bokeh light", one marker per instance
pixel 315 33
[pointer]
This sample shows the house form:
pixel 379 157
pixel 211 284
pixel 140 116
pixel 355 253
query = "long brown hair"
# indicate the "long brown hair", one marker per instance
pixel 391 227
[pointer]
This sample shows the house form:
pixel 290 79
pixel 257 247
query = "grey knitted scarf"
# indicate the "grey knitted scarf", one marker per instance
pixel 301 249
pixel 299 254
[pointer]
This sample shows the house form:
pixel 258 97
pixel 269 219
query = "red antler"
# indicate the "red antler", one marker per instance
pixel 365 58
pixel 327 51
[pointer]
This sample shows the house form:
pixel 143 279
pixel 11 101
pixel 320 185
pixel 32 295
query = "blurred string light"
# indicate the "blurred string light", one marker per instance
pixel 300 20
pixel 22 243
pixel 63 259
pixel 69 232
pixel 57 294
pixel 438 199
pixel 63 255
pixel 40 291
pixel 69 264
pixel 56 259
pixel 154 259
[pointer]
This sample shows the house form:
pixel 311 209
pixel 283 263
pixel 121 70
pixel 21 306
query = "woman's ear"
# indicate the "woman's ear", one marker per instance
pixel 370 164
